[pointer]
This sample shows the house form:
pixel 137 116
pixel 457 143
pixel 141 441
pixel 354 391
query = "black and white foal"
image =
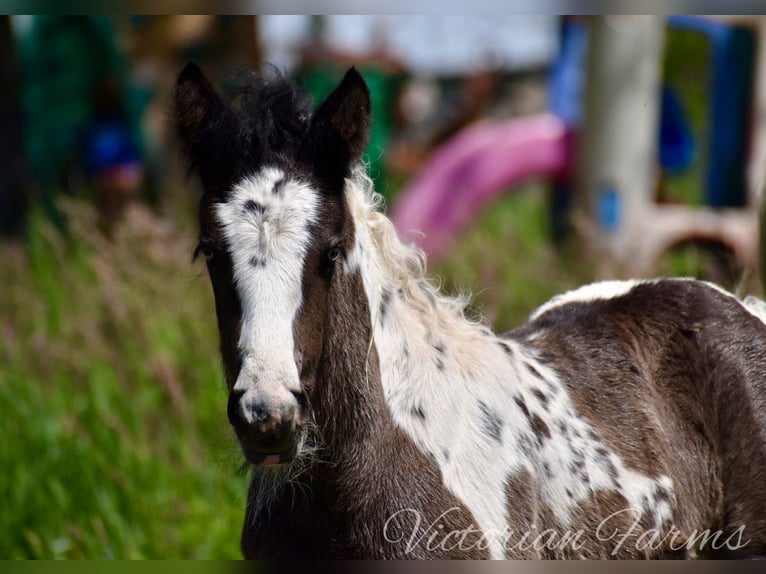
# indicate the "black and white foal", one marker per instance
pixel 625 419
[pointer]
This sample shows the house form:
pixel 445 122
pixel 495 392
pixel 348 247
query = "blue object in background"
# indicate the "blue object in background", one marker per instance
pixel 609 208
pixel 565 94
pixel 677 146
pixel 733 58
pixel 565 84
pixel 109 143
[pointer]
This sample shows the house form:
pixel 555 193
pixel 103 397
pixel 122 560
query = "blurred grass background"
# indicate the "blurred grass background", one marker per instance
pixel 508 262
pixel 115 437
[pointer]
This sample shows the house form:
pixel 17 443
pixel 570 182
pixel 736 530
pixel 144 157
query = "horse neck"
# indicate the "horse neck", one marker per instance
pixel 372 459
pixel 422 337
pixel 422 334
pixel 359 436
pixel 350 404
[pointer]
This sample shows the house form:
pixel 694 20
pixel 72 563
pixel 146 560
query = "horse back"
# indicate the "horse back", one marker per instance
pixel 672 374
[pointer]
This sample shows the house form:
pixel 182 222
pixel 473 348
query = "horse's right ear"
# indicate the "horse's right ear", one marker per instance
pixel 204 122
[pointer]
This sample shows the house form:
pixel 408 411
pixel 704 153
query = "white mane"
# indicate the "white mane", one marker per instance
pixel 402 267
pixel 481 406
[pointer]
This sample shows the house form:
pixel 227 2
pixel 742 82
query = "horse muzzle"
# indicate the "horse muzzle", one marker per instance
pixel 265 425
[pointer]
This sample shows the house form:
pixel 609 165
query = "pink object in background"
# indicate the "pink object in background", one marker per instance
pixel 472 168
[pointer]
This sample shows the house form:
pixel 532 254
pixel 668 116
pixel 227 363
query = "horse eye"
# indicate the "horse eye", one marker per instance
pixel 329 259
pixel 204 250
pixel 334 253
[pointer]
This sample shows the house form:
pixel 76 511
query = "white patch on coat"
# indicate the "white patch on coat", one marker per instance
pixel 612 289
pixel 452 386
pixel 587 293
pixel 265 222
pixel 756 306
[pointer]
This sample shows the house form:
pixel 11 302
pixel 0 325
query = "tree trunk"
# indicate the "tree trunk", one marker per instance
pixel 13 200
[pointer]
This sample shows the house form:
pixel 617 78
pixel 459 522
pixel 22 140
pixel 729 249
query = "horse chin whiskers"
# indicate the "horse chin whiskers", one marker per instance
pixel 269 482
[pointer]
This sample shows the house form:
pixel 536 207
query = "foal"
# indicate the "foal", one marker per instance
pixel 625 419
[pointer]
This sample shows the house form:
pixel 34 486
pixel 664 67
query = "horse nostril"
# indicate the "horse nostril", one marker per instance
pixel 244 414
pixel 255 413
pixel 247 415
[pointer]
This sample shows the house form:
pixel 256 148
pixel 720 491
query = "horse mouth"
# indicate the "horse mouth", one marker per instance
pixel 270 459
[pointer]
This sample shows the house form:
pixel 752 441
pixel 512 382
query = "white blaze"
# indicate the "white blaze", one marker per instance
pixel 265 223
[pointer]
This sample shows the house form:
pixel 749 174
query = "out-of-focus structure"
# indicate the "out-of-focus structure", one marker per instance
pixel 641 171
pixel 620 182
pixel 650 130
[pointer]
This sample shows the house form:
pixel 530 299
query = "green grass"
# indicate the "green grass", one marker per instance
pixel 507 261
pixel 112 407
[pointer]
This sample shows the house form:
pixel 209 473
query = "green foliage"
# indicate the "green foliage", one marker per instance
pixel 115 440
pixel 507 261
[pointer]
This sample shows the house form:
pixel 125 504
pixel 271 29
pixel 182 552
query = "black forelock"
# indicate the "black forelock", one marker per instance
pixel 273 112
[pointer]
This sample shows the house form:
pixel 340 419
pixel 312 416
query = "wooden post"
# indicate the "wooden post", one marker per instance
pixel 618 149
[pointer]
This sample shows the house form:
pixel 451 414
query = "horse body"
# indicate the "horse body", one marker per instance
pixel 671 374
pixel 625 419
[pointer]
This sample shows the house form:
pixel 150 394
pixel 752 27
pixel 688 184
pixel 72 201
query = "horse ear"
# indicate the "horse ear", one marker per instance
pixel 204 122
pixel 340 129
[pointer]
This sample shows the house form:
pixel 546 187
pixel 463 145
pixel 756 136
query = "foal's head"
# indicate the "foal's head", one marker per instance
pixel 274 230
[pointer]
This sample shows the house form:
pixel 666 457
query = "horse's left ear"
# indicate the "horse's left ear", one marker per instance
pixel 339 129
